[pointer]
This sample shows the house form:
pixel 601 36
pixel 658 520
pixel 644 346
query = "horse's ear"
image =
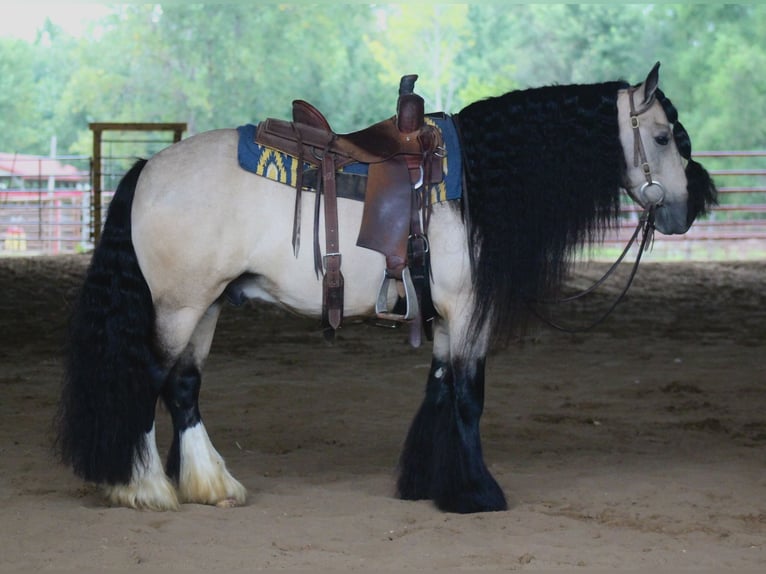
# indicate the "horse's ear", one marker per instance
pixel 651 83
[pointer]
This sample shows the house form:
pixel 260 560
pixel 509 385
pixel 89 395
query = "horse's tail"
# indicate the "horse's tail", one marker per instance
pixel 110 382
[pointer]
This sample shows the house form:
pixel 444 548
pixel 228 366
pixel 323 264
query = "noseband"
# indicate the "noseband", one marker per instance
pixel 639 152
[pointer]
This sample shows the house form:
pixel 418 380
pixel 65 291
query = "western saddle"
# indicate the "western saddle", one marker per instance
pixel 404 156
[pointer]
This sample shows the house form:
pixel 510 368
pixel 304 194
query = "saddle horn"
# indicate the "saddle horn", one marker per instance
pixel 410 107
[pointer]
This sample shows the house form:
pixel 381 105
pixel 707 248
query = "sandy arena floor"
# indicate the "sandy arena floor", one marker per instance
pixel 641 444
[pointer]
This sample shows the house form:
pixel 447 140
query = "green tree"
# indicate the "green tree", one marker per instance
pixel 582 43
pixel 718 81
pixel 221 65
pixel 18 120
pixel 424 40
pixel 490 58
pixel 224 65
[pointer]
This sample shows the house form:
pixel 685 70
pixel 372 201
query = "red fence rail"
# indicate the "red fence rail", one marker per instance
pixel 736 228
pixel 44 204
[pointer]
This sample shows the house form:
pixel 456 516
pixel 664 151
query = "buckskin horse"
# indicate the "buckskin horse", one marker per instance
pixel 539 173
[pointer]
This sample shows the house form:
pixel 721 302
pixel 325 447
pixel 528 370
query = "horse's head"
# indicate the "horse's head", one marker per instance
pixel 660 171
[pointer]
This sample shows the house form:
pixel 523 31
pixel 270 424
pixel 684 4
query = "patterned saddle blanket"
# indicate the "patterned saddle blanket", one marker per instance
pixel 283 168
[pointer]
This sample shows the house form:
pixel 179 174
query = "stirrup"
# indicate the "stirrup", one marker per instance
pixel 410 298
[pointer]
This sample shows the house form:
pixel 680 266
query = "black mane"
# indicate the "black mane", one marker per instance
pixel 544 168
pixel 702 191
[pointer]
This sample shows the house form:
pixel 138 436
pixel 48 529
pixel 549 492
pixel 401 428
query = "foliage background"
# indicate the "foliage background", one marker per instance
pixel 222 65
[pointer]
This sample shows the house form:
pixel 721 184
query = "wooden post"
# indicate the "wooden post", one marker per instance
pixel 97 169
pixel 96 183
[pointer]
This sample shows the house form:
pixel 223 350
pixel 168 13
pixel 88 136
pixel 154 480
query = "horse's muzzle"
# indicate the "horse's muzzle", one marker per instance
pixel 671 219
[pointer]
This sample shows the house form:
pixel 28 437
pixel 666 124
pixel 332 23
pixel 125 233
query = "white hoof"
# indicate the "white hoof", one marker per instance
pixel 149 487
pixel 151 493
pixel 204 478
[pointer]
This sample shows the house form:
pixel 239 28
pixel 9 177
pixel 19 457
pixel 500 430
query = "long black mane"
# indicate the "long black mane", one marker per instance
pixel 544 168
pixel 702 191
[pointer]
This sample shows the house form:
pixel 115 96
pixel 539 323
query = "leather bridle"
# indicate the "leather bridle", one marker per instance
pixel 639 152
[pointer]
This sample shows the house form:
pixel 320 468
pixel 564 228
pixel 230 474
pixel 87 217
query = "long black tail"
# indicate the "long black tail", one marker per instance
pixel 110 383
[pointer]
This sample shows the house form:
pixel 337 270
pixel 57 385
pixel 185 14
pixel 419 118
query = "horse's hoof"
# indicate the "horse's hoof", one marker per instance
pixel 489 498
pixel 223 490
pixel 157 494
pixel 228 503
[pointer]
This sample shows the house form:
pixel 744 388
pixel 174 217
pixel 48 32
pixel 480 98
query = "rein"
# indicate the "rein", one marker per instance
pixel 646 227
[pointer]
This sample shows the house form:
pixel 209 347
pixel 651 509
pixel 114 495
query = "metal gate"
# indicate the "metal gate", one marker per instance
pixel 56 205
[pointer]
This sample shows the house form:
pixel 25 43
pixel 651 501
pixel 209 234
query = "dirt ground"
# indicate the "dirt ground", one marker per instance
pixel 640 444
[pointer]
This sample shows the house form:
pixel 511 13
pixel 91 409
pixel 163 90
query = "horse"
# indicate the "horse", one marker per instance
pixel 543 172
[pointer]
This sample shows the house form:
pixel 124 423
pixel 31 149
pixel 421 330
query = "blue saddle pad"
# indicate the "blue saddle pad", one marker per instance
pixel 281 167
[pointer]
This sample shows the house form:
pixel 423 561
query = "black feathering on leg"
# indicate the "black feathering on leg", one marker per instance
pixel 416 460
pixel 181 396
pixel 442 458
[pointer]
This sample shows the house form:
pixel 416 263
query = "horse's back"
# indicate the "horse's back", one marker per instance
pixel 174 174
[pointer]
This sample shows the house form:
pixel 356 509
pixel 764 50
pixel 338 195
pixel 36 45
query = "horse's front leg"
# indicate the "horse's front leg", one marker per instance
pixel 442 458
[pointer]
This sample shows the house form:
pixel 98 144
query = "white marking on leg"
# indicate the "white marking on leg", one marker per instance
pixel 204 478
pixel 149 487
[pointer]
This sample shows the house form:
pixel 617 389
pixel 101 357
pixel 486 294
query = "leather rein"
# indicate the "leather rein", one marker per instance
pixel 645 227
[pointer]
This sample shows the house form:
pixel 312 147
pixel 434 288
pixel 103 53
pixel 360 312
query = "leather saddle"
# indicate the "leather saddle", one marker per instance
pixel 404 157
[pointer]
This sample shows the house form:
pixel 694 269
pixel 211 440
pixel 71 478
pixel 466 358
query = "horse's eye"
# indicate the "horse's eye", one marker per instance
pixel 663 139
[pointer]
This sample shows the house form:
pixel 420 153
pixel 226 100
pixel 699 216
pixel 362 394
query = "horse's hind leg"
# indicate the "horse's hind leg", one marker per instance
pixel 149 487
pixel 193 462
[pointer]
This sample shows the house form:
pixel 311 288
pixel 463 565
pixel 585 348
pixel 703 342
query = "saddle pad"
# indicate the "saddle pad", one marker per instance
pixel 281 167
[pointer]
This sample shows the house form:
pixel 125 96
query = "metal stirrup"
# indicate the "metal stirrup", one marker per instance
pixel 410 298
